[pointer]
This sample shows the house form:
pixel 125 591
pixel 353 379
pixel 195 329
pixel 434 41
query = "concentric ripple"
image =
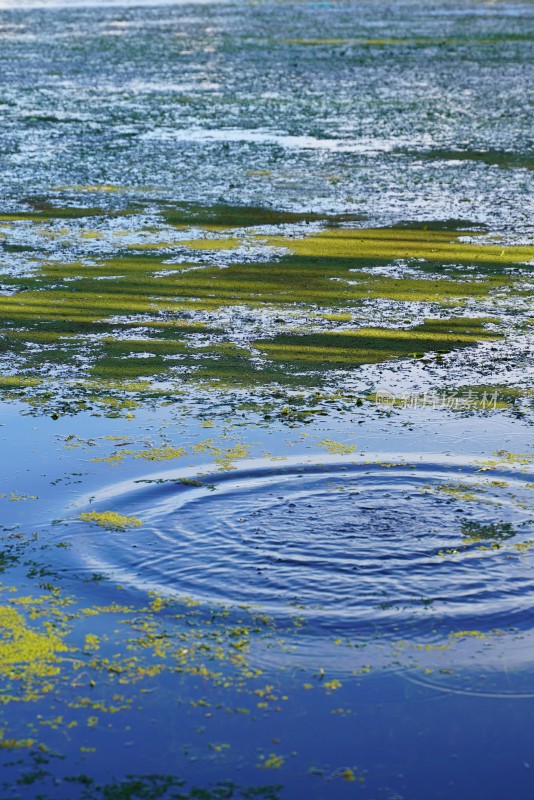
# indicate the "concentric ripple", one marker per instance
pixel 363 545
pixel 358 545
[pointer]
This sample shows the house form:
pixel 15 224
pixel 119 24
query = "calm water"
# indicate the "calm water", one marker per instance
pixel 347 611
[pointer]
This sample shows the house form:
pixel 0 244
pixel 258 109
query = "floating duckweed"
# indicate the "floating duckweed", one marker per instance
pixel 92 642
pixel 111 520
pixel 493 532
pixel 227 457
pixel 17 497
pixel 162 453
pixel 115 458
pixel 272 762
pixel 333 684
pixel 15 744
pixel 461 491
pixel 337 448
pixel 224 457
pixel 27 655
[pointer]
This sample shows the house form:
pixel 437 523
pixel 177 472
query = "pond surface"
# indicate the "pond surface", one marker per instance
pixel 266 400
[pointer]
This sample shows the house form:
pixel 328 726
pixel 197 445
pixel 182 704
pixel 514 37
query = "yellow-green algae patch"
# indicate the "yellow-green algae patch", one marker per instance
pixel 229 243
pixel 167 453
pixel 337 448
pixel 403 243
pixel 111 520
pixel 223 457
pixel 29 655
pixel 91 188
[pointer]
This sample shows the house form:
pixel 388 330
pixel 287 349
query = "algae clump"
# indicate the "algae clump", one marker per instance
pixel 111 520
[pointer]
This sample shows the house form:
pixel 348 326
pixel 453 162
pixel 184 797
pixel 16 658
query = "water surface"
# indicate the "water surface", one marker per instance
pixel 266 400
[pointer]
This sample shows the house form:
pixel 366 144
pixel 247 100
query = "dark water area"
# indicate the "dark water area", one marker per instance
pixel 266 400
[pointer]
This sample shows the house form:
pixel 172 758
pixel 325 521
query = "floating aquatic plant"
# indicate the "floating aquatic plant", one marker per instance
pixel 111 520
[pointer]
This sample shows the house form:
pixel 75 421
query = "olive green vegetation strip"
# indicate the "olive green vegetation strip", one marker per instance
pixel 102 187
pixel 374 345
pixel 222 217
pixel 322 271
pixel 321 265
pixel 500 158
pixel 326 268
pixel 222 361
pixel 407 243
pixel 415 41
pixel 48 213
pixel 51 214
